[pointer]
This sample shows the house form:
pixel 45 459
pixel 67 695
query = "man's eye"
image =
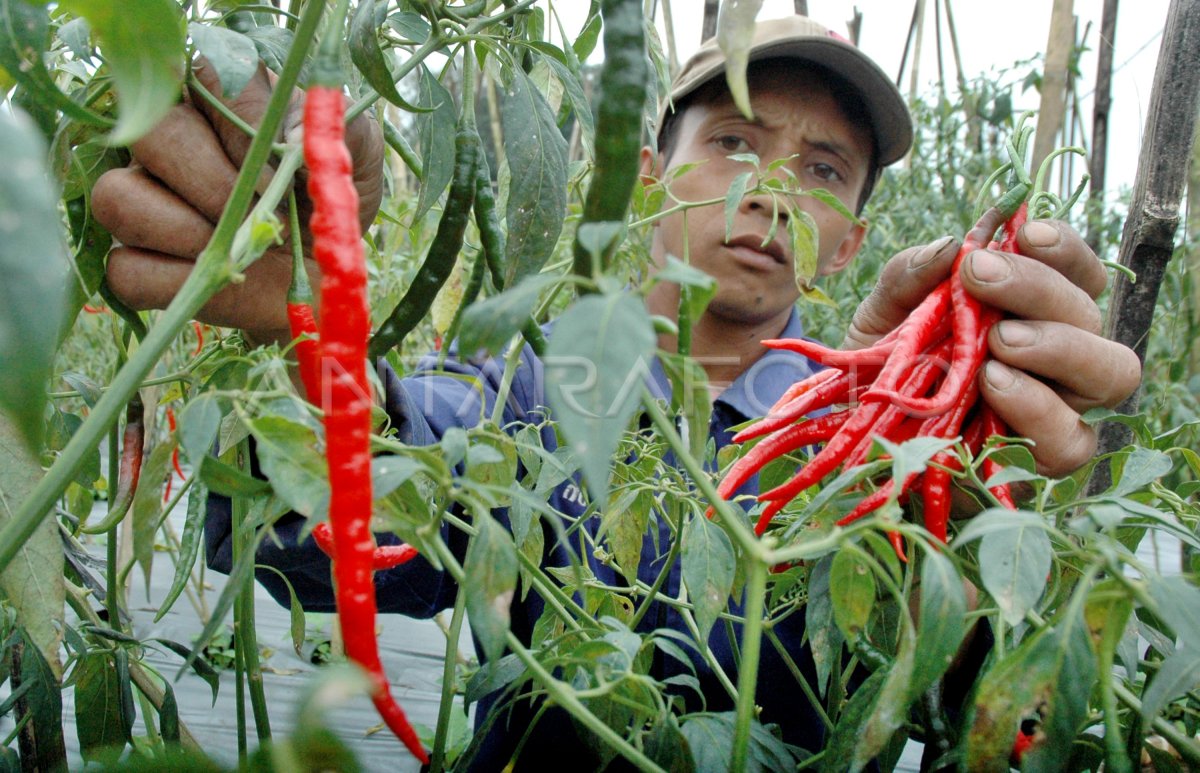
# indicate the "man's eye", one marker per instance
pixel 731 143
pixel 825 172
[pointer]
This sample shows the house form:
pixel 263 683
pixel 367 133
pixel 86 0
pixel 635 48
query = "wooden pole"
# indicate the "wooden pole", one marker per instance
pixel 709 26
pixel 912 28
pixel 1148 239
pixel 1054 79
pixel 672 50
pixel 854 26
pixel 913 81
pixel 1102 103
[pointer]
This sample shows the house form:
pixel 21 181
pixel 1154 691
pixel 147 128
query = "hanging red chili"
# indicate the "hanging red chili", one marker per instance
pixel 345 326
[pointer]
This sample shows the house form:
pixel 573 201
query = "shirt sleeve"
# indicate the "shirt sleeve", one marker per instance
pixel 422 407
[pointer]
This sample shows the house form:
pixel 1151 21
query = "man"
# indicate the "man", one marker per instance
pixel 836 117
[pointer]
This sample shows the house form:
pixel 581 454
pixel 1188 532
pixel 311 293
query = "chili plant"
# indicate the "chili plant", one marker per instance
pixel 1073 650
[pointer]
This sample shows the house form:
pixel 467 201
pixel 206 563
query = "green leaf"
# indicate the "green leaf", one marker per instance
pixel 91 241
pixel 735 33
pixel 839 751
pixel 824 637
pixel 272 43
pixel 232 54
pixel 698 287
pixel 1051 672
pixel 435 130
pixel 1178 605
pixel 490 324
pixel 148 504
pixel 98 715
pixel 491 577
pixel 368 56
pixel 33 264
pixel 537 165
pixel 195 659
pixel 43 701
pixel 229 481
pixel 597 361
pixel 707 563
pixel 1178 674
pixel 33 583
pixel 24 40
pixel 803 238
pixel 733 198
pixel 295 610
pixel 710 737
pixel 189 546
pixel 890 709
pixel 199 422
pixel 1013 564
pixel 144 46
pixel 289 456
pixel 625 525
pixel 942 621
pixel 1142 467
pixel 852 588
pixel 690 396
pixel 499 466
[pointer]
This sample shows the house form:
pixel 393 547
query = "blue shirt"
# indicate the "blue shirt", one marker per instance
pixel 423 406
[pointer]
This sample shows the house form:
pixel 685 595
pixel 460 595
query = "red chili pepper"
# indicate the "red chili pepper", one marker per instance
pixel 384 557
pixel 198 329
pixel 133 442
pixel 303 323
pixel 345 326
pixel 95 309
pixel 783 442
pixel 823 393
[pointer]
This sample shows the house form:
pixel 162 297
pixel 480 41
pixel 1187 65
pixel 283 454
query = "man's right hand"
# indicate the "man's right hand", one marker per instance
pixel 162 208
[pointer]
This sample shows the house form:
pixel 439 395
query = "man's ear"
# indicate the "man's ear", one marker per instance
pixel 649 165
pixel 846 250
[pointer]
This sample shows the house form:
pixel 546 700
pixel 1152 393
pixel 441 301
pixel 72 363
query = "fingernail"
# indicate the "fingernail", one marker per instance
pixel 1014 333
pixel 998 375
pixel 931 251
pixel 988 267
pixel 1039 234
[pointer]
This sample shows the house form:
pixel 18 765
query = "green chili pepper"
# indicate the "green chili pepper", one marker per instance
pixel 443 251
pixel 618 123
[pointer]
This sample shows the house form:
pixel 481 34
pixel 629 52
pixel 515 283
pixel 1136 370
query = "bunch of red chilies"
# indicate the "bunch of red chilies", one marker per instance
pixel 919 380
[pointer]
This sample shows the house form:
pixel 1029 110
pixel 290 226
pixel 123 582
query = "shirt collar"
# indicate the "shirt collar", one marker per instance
pixel 758 387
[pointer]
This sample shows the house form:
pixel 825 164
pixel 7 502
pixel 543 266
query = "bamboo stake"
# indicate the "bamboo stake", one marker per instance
pixel 913 81
pixel 1102 103
pixel 1054 79
pixel 709 27
pixel 1148 239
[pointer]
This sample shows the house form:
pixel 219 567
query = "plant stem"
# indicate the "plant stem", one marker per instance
pixel 805 687
pixel 448 667
pixel 1187 747
pixel 756 594
pixel 247 637
pixel 672 557
pixel 734 523
pixel 211 272
pixel 564 696
pixel 560 693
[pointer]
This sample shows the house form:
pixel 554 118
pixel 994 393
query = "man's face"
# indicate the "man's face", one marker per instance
pixel 796 118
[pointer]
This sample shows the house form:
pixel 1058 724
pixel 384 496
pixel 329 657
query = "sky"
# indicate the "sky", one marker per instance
pixel 992 36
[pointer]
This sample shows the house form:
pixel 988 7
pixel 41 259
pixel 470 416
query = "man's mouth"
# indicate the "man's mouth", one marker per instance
pixel 749 244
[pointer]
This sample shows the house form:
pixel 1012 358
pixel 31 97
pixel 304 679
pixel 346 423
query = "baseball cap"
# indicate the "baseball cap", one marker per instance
pixel 799 37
